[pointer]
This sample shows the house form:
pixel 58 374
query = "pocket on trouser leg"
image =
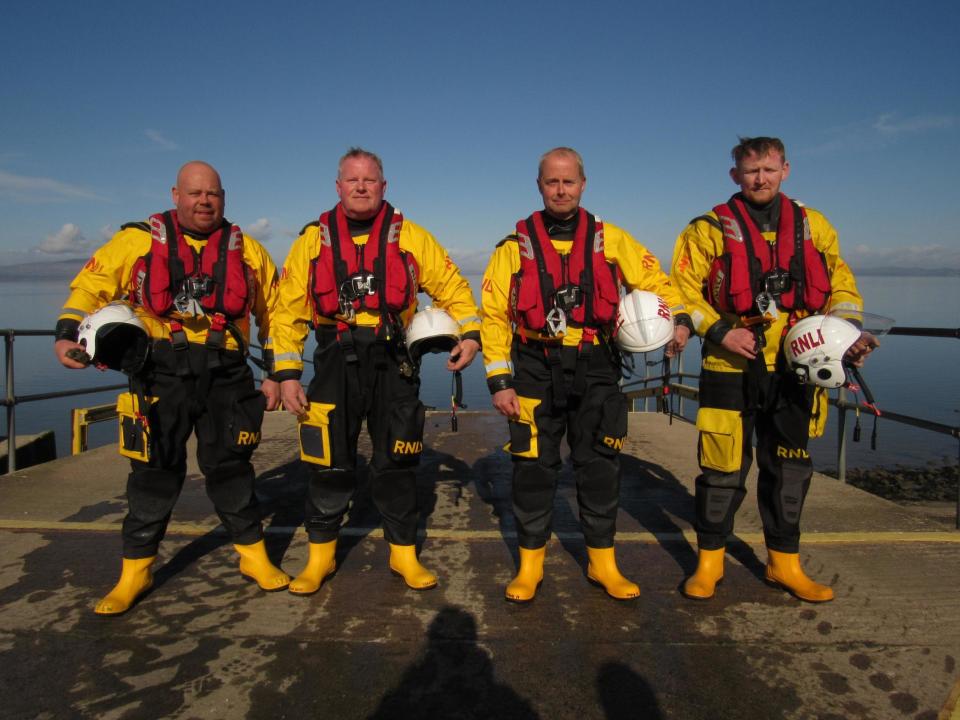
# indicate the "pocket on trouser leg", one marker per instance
pixel 523 432
pixel 405 433
pixel 134 426
pixel 612 430
pixel 314 432
pixel 243 427
pixel 721 439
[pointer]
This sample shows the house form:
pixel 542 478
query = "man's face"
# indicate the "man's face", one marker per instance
pixel 199 198
pixel 560 185
pixel 360 186
pixel 759 178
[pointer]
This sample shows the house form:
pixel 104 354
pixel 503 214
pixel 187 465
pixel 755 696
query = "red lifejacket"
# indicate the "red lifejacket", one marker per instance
pixel 346 277
pixel 172 272
pixel 740 274
pixel 582 284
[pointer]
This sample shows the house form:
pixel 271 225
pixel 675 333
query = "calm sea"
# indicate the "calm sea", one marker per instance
pixel 913 376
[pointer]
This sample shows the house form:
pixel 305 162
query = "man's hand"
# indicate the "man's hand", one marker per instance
pixel 271 389
pixel 742 342
pixel 462 355
pixel 681 333
pixel 857 353
pixel 62 347
pixel 507 403
pixel 294 398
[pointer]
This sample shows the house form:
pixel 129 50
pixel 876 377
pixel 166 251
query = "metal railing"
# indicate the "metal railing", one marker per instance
pixel 11 399
pixel 660 387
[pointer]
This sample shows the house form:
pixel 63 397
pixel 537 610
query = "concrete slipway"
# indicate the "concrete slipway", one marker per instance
pixel 205 644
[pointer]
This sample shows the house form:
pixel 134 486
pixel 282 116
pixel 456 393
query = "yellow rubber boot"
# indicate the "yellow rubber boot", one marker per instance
pixel 703 583
pixel 784 569
pixel 256 566
pixel 403 561
pixel 320 565
pixel 603 570
pixel 524 586
pixel 135 579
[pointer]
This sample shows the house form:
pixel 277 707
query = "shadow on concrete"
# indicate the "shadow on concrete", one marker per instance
pixel 625 695
pixel 453 678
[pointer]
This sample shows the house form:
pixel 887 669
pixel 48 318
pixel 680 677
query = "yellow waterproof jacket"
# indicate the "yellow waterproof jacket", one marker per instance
pixel 697 247
pixel 440 278
pixel 639 268
pixel 106 277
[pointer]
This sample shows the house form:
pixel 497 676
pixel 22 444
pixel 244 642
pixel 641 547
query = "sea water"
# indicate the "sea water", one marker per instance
pixel 912 376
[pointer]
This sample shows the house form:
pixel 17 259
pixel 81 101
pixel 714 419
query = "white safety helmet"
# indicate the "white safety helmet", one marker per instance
pixel 115 337
pixel 815 346
pixel 644 322
pixel 432 330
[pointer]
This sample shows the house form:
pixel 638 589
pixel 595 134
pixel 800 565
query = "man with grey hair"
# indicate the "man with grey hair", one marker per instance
pixel 352 277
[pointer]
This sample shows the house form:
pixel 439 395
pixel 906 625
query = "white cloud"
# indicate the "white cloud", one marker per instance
pixel 867 135
pixel 41 189
pixel 159 139
pixel 888 126
pixel 261 230
pixel 67 239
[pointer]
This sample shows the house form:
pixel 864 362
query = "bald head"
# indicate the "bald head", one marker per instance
pixel 199 197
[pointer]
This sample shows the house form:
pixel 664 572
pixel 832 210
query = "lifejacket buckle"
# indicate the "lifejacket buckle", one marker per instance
pixel 776 282
pixel 358 285
pixel 568 297
pixel 557 321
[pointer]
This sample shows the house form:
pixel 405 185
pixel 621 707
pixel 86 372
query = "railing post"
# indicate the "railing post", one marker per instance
pixel 11 406
pixel 842 438
pixel 680 380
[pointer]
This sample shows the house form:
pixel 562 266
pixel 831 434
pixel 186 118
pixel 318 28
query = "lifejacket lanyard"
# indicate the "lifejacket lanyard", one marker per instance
pixel 857 386
pixel 667 395
pixel 456 398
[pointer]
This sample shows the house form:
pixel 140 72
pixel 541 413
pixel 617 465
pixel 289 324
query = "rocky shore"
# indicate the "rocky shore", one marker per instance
pixel 934 482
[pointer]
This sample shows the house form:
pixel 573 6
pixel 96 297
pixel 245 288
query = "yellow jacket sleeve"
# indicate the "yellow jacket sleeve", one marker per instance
pixel 695 250
pixel 266 292
pixel 639 267
pixel 496 329
pixel 843 287
pixel 441 279
pixel 294 310
pixel 105 276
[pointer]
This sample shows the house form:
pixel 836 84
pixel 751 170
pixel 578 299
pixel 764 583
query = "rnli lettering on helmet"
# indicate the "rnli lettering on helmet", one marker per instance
pixel 403 447
pixel 792 453
pixel 662 309
pixel 806 342
pixel 615 443
pixel 248 438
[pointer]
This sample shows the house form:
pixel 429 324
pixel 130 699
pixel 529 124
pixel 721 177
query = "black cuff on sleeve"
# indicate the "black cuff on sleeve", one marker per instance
pixel 496 383
pixel 684 319
pixel 67 329
pixel 472 335
pixel 268 362
pixel 286 375
pixel 718 331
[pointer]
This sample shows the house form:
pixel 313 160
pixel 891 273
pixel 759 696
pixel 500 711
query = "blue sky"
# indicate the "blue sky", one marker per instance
pixel 102 102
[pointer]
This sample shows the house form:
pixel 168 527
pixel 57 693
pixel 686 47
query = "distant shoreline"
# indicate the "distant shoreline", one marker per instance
pixel 67 269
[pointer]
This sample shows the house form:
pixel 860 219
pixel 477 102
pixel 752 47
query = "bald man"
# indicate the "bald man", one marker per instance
pixel 192 279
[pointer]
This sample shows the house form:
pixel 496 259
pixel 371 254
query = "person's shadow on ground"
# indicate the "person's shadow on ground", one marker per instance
pixel 453 679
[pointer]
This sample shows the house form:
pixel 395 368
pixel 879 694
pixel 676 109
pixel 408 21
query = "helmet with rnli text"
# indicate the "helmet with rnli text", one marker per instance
pixel 644 322
pixel 115 337
pixel 432 330
pixel 815 346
